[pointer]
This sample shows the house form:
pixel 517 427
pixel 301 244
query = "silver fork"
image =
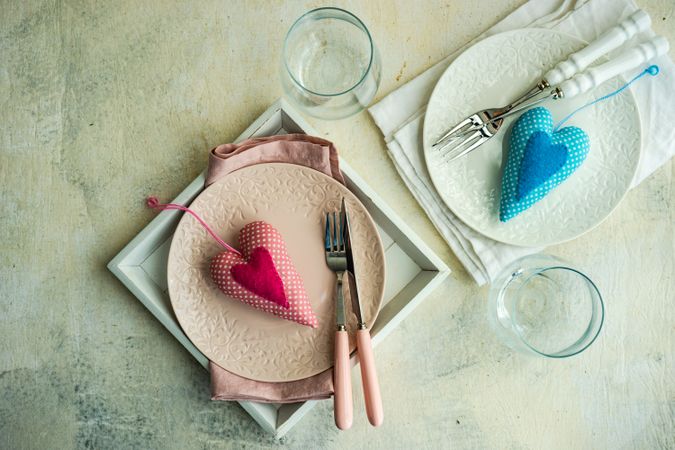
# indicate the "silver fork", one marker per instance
pixel 470 133
pixel 336 259
pixel 480 126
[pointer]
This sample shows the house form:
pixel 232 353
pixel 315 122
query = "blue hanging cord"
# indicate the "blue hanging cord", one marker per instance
pixel 652 70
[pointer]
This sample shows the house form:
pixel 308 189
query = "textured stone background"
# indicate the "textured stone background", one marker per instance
pixel 102 103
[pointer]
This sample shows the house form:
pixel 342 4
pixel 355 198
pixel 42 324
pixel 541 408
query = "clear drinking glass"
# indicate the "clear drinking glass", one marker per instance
pixel 330 67
pixel 541 305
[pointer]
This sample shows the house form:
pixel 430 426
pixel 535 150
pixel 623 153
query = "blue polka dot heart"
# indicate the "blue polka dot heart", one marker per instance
pixel 539 159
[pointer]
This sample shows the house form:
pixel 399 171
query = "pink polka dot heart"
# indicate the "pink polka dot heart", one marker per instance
pixel 254 279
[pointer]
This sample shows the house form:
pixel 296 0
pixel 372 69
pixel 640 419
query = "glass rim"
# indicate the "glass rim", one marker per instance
pixel 295 25
pixel 563 354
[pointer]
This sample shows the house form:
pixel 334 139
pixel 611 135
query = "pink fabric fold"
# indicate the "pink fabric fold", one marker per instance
pixel 227 386
pixel 309 151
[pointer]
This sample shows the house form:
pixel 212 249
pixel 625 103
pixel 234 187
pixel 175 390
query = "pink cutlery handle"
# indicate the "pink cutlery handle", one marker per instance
pixel 371 387
pixel 343 382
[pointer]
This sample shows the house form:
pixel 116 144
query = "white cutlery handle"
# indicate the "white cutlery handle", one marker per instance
pixel 613 38
pixel 628 60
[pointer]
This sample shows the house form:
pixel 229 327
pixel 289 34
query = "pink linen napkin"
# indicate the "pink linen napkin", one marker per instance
pixel 227 386
pixel 309 151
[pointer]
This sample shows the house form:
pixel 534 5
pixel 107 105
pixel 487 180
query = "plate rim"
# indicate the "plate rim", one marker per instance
pixel 519 243
pixel 329 179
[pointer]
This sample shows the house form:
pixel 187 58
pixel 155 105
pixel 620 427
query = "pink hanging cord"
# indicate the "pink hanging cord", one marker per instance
pixel 152 202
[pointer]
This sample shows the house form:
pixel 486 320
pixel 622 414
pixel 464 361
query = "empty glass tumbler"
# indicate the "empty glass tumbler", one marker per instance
pixel 543 306
pixel 330 66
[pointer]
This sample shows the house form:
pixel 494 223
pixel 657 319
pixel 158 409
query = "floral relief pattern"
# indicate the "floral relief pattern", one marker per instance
pixel 247 341
pixel 494 72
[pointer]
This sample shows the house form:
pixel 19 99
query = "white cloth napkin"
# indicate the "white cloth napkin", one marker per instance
pixel 400 116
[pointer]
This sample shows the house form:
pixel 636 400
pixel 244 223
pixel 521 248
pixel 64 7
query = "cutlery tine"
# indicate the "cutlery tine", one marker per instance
pixel 338 227
pixel 343 225
pixel 327 240
pixel 450 134
pixel 332 231
pixel 451 149
pixel 334 247
pixel 470 144
pixel 343 244
pixel 469 149
pixel 342 232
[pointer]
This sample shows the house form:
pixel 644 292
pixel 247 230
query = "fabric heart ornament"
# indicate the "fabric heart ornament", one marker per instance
pixel 539 159
pixel 263 275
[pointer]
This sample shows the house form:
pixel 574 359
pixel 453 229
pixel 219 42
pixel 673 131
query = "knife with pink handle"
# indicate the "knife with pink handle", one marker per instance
pixel 371 386
pixel 343 380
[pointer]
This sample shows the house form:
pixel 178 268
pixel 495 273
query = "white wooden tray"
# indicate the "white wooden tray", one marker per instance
pixel 413 269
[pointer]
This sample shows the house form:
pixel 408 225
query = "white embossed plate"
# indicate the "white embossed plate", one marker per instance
pixel 244 340
pixel 491 74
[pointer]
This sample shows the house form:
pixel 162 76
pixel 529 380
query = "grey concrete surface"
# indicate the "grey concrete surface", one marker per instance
pixel 102 103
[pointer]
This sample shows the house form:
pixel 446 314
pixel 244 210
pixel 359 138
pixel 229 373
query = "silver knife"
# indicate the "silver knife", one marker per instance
pixel 371 387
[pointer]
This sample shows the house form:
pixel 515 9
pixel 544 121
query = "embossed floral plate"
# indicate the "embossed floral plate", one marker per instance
pixel 244 340
pixel 494 72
